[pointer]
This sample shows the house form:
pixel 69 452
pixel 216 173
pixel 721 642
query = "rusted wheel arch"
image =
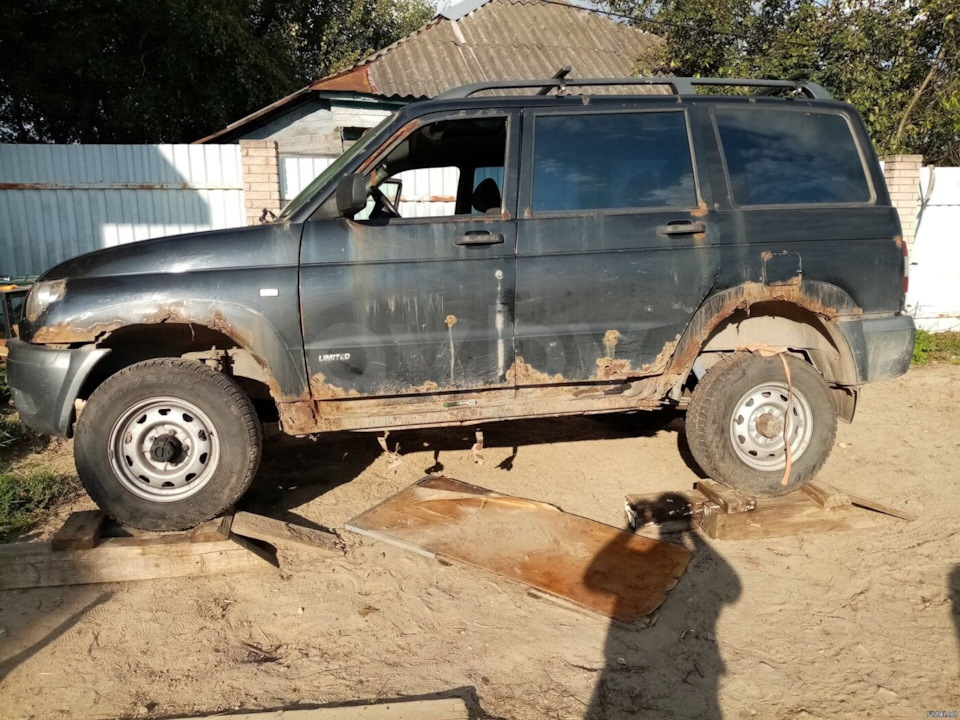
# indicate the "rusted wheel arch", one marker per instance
pixel 139 342
pixel 814 305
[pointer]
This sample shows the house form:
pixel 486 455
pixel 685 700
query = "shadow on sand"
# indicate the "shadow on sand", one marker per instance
pixel 671 669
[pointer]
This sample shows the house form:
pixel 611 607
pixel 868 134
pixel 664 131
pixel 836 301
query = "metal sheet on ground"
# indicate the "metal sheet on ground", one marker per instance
pixel 592 565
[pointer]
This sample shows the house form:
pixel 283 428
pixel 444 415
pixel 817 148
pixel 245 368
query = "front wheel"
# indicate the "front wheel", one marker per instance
pixel 745 412
pixel 166 444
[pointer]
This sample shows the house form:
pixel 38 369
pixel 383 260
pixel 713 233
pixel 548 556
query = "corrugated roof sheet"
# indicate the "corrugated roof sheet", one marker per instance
pixel 498 40
pixel 484 40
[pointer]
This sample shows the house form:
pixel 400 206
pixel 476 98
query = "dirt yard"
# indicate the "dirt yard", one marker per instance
pixel 857 624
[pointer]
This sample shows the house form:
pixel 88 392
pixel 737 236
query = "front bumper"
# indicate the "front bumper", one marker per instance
pixel 882 345
pixel 44 382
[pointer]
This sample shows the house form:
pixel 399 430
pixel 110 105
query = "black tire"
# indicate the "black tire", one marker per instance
pixel 710 422
pixel 235 429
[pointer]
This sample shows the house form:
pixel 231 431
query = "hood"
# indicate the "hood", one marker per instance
pixel 260 245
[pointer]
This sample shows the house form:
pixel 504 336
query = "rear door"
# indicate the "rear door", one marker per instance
pixel 616 244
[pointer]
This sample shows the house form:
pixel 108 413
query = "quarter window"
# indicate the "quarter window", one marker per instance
pixel 601 162
pixel 784 157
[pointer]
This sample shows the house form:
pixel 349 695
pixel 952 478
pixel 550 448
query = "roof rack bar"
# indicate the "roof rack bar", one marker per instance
pixel 680 85
pixel 558 75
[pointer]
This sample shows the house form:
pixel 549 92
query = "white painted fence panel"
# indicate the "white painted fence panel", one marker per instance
pixel 59 201
pixel 934 296
pixel 298 172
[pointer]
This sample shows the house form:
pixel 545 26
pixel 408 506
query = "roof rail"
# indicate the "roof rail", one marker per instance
pixel 680 85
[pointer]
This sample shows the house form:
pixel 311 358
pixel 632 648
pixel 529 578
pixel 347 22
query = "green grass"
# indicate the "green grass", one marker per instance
pixel 936 347
pixel 26 494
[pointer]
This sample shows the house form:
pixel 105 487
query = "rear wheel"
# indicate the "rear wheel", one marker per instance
pixel 166 444
pixel 743 415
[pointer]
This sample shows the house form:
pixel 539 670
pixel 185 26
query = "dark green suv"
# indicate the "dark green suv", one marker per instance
pixel 735 255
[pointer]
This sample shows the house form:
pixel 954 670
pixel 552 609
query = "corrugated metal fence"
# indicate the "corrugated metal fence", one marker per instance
pixel 58 201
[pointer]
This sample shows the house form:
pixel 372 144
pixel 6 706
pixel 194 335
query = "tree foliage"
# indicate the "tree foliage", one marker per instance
pixel 173 70
pixel 897 61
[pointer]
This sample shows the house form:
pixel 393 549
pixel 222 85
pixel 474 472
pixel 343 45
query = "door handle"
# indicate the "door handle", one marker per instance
pixel 681 228
pixel 479 237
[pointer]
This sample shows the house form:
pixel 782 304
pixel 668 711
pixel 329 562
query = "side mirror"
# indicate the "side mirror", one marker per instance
pixel 351 194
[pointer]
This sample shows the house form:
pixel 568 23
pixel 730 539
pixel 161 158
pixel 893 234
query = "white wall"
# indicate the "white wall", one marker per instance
pixel 934 296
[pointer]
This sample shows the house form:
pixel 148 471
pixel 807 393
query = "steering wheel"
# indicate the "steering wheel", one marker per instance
pixel 384 203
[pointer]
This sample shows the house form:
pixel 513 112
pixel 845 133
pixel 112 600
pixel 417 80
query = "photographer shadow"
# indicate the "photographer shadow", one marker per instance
pixel 672 668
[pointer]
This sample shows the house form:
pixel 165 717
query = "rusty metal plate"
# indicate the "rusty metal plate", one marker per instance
pixel 592 565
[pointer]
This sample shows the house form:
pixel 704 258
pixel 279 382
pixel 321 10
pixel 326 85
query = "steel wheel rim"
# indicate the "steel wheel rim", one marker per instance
pixel 164 449
pixel 758 422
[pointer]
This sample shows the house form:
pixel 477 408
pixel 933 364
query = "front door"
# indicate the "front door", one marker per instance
pixel 414 295
pixel 616 247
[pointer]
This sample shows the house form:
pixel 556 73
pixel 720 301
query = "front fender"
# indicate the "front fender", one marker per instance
pixel 85 318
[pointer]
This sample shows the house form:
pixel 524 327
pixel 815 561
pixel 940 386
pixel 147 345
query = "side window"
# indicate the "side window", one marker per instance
pixel 426 192
pixel 429 173
pixel 623 160
pixel 784 157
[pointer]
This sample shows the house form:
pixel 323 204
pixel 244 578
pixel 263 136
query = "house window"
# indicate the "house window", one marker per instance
pixel 786 157
pixel 603 162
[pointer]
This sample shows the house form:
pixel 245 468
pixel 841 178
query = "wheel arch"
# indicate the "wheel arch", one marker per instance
pixel 800 317
pixel 216 346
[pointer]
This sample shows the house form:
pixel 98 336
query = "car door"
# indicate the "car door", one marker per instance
pixel 616 244
pixel 393 306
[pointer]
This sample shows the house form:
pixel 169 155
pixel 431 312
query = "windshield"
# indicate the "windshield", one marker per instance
pixel 333 170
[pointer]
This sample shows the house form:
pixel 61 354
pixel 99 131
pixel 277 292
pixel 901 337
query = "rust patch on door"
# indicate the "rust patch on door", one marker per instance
pixel 322 390
pixel 594 566
pixel 520 373
pixel 610 340
pixel 609 368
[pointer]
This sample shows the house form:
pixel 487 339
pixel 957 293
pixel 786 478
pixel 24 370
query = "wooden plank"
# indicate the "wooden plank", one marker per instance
pixel 589 564
pixel 730 500
pixel 212 530
pixel 25 565
pixel 441 709
pixel 792 514
pixel 272 530
pixel 869 504
pixel 826 496
pixel 81 531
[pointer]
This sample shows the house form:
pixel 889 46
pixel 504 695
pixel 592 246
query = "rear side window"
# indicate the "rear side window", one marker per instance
pixel 783 157
pixel 603 162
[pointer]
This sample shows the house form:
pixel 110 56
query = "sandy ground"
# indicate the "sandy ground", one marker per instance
pixel 856 624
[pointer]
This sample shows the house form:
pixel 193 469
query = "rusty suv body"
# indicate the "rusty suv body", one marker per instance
pixel 629 242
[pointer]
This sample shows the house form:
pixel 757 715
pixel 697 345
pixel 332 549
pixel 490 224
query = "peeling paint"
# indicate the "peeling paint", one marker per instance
pixel 610 369
pixel 322 390
pixel 610 340
pixel 520 373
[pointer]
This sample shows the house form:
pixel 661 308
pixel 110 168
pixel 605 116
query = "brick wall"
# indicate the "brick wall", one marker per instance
pixel 260 162
pixel 902 173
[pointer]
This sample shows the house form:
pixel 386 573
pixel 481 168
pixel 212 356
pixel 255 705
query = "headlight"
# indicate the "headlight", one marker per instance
pixel 42 295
